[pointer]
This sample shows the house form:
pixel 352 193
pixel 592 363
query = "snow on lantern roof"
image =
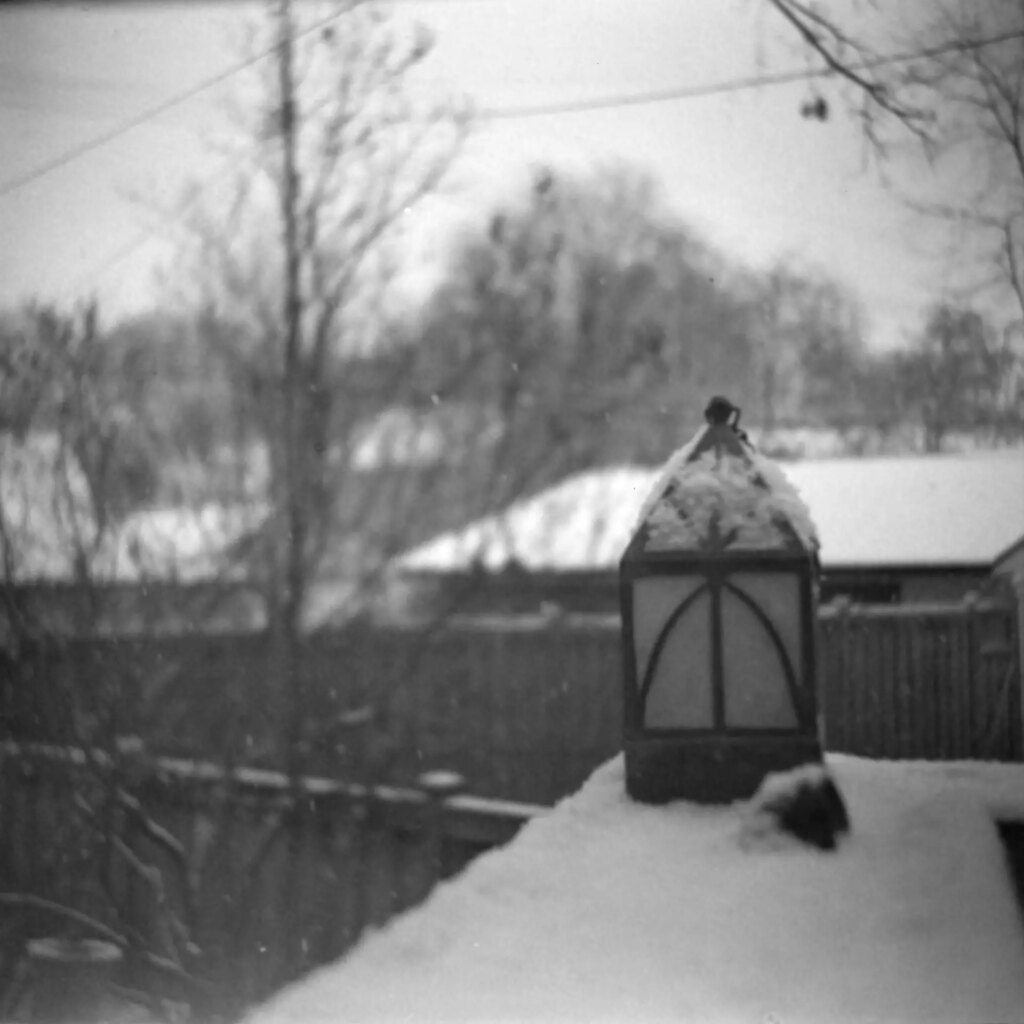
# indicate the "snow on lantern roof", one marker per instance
pixel 717 493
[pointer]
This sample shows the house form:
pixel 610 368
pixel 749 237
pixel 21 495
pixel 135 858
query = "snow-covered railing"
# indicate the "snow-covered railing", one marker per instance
pixel 972 604
pixel 261 876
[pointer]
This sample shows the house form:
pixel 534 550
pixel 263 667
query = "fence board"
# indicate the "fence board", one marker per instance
pixel 526 708
pixel 922 681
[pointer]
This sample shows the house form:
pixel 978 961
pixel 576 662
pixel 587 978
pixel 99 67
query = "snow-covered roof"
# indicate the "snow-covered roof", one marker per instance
pixel 184 544
pixel 410 438
pixel 51 531
pixel 928 510
pixel 47 521
pixel 895 511
pixel 608 910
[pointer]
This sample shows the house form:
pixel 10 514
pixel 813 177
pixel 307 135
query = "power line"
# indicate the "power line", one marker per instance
pixel 503 113
pixel 70 155
pixel 140 238
pixel 508 113
pixel 733 85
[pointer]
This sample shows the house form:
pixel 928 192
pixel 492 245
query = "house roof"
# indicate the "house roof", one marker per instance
pixel 49 531
pixel 184 544
pixel 47 522
pixel 930 510
pixel 912 512
pixel 400 437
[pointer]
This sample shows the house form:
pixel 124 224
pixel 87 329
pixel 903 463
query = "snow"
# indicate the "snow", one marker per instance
pixel 748 499
pixel 895 511
pixel 46 515
pixel 787 500
pixel 940 509
pixel 179 543
pixel 583 522
pixel 674 467
pixel 400 436
pixel 608 910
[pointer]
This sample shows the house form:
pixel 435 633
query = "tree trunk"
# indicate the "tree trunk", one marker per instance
pixel 291 466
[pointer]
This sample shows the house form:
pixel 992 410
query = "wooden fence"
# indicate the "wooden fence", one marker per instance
pixel 938 682
pixel 266 879
pixel 525 708
pixel 239 878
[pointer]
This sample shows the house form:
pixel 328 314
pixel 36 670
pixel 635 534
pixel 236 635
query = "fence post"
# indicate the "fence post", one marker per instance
pixel 970 604
pixel 1018 590
pixel 437 787
pixel 836 714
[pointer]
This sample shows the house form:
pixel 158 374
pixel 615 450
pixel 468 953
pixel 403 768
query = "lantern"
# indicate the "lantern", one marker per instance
pixel 718 592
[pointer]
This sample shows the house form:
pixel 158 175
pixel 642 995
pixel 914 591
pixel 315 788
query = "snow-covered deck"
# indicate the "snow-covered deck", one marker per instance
pixel 606 910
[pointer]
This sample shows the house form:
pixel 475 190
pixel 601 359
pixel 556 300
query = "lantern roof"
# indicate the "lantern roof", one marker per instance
pixel 718 494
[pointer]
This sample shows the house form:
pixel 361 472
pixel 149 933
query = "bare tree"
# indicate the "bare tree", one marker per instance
pixel 55 424
pixel 956 378
pixel 808 346
pixel 954 80
pixel 871 77
pixel 587 320
pixel 977 94
pixel 60 456
pixel 330 150
pixel 83 701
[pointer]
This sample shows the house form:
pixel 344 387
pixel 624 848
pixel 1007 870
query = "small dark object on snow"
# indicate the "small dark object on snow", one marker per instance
pixel 812 810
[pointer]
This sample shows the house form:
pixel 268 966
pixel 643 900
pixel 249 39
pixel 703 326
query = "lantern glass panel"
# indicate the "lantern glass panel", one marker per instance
pixel 777 594
pixel 655 598
pixel 757 693
pixel 680 696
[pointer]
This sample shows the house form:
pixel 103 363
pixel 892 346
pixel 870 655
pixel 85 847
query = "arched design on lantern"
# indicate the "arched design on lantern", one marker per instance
pixel 672 705
pixel 755 709
pixel 717 589
pixel 750 684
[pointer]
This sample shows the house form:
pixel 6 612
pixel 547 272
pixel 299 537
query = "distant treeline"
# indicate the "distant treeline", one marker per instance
pixel 580 318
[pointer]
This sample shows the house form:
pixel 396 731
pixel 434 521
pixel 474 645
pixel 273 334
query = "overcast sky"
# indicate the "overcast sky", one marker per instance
pixel 757 179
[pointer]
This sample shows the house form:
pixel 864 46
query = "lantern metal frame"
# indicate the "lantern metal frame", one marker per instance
pixel 718 762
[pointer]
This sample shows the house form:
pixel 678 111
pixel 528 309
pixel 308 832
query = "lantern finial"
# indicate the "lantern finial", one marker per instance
pixel 720 410
pixel 718 618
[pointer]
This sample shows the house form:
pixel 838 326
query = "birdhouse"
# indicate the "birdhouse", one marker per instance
pixel 718 592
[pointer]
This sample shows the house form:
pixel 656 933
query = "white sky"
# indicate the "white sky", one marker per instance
pixel 744 168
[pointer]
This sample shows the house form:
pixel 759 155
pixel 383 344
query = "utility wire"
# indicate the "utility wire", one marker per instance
pixel 70 155
pixel 735 84
pixel 506 113
pixel 141 237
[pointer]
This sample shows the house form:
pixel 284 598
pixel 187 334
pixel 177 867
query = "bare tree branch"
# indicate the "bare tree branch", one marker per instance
pixel 831 43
